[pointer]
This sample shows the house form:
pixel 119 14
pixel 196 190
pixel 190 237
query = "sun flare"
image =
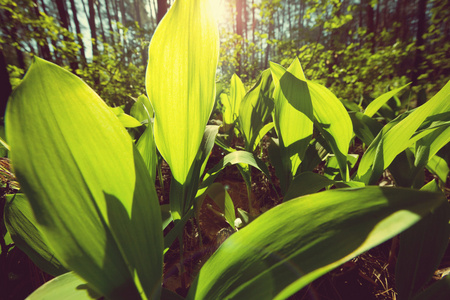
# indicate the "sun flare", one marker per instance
pixel 222 11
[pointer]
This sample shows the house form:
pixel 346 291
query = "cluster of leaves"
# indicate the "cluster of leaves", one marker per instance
pixel 66 143
pixel 114 74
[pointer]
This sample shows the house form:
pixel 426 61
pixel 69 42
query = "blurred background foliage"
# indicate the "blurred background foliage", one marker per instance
pixel 357 48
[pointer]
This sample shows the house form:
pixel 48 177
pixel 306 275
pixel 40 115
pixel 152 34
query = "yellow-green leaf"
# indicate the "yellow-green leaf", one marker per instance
pixel 180 81
pixel 232 103
pixel 88 186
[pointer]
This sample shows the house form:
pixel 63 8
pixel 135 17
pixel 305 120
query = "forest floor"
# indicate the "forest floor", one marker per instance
pixel 367 276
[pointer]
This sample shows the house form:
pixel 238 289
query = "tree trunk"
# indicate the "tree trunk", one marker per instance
pixel 421 25
pixel 137 10
pixel 102 28
pixel 268 48
pixel 111 30
pixel 123 14
pixel 78 31
pixel 370 24
pixel 93 27
pixel 64 20
pixel 44 50
pixel 240 33
pixel 163 6
pixel 239 25
pixel 5 85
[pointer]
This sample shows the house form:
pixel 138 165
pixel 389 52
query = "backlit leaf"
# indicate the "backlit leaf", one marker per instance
pixel 296 242
pixel 180 81
pixel 87 184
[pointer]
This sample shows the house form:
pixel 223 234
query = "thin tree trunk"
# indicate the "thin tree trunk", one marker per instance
pixel 268 48
pixel 102 28
pixel 421 25
pixel 44 50
pixel 93 27
pixel 111 30
pixel 123 14
pixel 162 9
pixel 370 24
pixel 64 19
pixel 139 21
pixel 5 85
pixel 78 31
pixel 240 33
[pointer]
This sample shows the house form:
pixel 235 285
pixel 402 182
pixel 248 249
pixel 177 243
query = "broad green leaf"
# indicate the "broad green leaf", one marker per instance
pixel 429 145
pixel 389 143
pixel 438 166
pixel 142 110
pixel 182 196
pixel 307 183
pixel 255 110
pixel 237 92
pixel 331 117
pixel 296 69
pixel 126 120
pixel 88 186
pixel 332 165
pixel 237 157
pixel 147 149
pixel 437 291
pixel 218 193
pixel 207 145
pixel 365 128
pixel 180 81
pixel 23 227
pixel 68 286
pixel 375 105
pixel 333 122
pixel 293 117
pixel 296 242
pixel 421 252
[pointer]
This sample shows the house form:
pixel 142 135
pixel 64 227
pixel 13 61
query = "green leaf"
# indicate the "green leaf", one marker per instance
pixel 429 145
pixel 68 286
pixel 401 134
pixel 255 110
pixel 331 117
pixel 332 165
pixel 307 183
pixel 23 227
pixel 365 128
pixel 420 252
pixel 142 110
pixel 296 242
pixel 182 196
pixel 333 122
pixel 237 157
pixel 437 291
pixel 438 166
pixel 147 148
pixel 220 196
pixel 375 105
pixel 237 92
pixel 126 120
pixel 88 186
pixel 180 81
pixel 293 117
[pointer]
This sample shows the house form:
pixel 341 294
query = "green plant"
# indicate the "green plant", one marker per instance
pixel 93 199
